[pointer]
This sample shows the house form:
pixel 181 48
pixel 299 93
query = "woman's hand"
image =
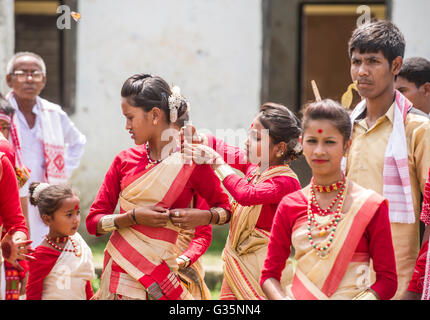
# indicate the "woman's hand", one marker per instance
pixel 181 263
pixel 202 154
pixel 152 216
pixel 189 218
pixel 15 246
pixel 189 134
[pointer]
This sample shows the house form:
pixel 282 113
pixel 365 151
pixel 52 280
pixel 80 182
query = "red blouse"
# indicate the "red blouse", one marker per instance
pixel 425 212
pixel 45 260
pixel 7 149
pixel 128 165
pixel 376 241
pixel 10 207
pixel 268 193
pixel 417 282
pixel 202 235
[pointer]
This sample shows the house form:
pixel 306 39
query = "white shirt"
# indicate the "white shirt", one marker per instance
pixel 32 147
pixel 31 141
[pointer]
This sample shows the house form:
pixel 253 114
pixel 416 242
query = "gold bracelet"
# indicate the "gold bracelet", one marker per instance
pixel 223 171
pixel 223 216
pixel 108 222
pixel 186 260
pixel 366 295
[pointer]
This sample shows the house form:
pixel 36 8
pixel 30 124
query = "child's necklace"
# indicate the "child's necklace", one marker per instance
pixel 74 250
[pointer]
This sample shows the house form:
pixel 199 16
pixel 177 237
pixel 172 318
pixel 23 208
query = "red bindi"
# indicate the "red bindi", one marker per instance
pixel 320 131
pixel 77 207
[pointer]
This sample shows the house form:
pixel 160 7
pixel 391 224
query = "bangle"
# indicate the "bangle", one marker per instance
pixel 108 222
pixel 223 171
pixel 366 295
pixel 186 260
pixel 133 216
pixel 212 215
pixel 223 216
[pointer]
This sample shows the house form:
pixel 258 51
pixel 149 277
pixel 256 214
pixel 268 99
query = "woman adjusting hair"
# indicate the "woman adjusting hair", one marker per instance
pixel 152 183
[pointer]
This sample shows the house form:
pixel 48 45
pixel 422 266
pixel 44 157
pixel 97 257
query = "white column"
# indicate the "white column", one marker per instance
pixel 7 38
pixel 412 19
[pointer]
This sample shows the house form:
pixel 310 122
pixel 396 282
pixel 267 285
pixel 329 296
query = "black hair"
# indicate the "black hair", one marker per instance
pixel 182 119
pixel 377 36
pixel 5 107
pixel 416 70
pixel 283 126
pixel 331 110
pixel 147 91
pixel 49 199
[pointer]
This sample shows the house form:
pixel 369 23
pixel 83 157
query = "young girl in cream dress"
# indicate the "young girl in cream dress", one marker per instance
pixel 63 268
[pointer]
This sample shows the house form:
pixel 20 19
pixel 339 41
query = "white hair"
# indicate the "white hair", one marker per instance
pixel 11 63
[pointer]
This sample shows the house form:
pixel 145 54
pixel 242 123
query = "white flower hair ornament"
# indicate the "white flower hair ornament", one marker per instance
pixel 39 189
pixel 298 147
pixel 175 102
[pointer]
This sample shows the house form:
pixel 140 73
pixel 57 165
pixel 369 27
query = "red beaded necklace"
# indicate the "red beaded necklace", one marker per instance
pixel 323 247
pixel 330 207
pixel 74 250
pixel 333 187
pixel 59 239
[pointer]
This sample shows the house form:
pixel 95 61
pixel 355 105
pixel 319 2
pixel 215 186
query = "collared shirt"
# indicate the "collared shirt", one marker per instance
pixel 31 140
pixel 365 166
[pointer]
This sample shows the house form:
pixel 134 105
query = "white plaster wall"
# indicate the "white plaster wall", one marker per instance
pixel 7 37
pixel 211 49
pixel 412 18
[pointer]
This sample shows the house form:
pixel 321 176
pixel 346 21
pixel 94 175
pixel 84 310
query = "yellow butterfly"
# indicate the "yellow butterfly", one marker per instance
pixel 75 15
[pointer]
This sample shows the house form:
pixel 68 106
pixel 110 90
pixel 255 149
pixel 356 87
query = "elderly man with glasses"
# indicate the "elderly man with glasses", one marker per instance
pixel 50 144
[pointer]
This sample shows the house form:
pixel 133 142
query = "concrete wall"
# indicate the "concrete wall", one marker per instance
pixel 7 36
pixel 211 49
pixel 412 18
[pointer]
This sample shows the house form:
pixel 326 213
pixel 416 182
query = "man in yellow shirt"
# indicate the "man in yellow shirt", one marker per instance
pixel 376 50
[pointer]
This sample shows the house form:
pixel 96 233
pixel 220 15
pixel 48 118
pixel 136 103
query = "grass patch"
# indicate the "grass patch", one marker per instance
pixel 215 293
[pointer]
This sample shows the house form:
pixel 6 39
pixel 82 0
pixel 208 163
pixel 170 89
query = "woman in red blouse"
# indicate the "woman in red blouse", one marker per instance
pixel 334 225
pixel 14 244
pixel 272 144
pixel 192 244
pixel 14 278
pixel 419 285
pixel 150 181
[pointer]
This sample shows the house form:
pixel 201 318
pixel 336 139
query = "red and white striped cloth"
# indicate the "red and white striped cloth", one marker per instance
pixel 397 186
pixel 23 173
pixel 53 139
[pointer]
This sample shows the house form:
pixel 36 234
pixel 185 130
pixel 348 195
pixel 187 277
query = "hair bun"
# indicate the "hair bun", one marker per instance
pixel 178 105
pixel 35 189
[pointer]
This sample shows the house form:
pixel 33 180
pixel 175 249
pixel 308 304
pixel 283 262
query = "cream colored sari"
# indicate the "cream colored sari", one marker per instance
pixel 147 254
pixel 193 276
pixel 246 246
pixel 342 273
